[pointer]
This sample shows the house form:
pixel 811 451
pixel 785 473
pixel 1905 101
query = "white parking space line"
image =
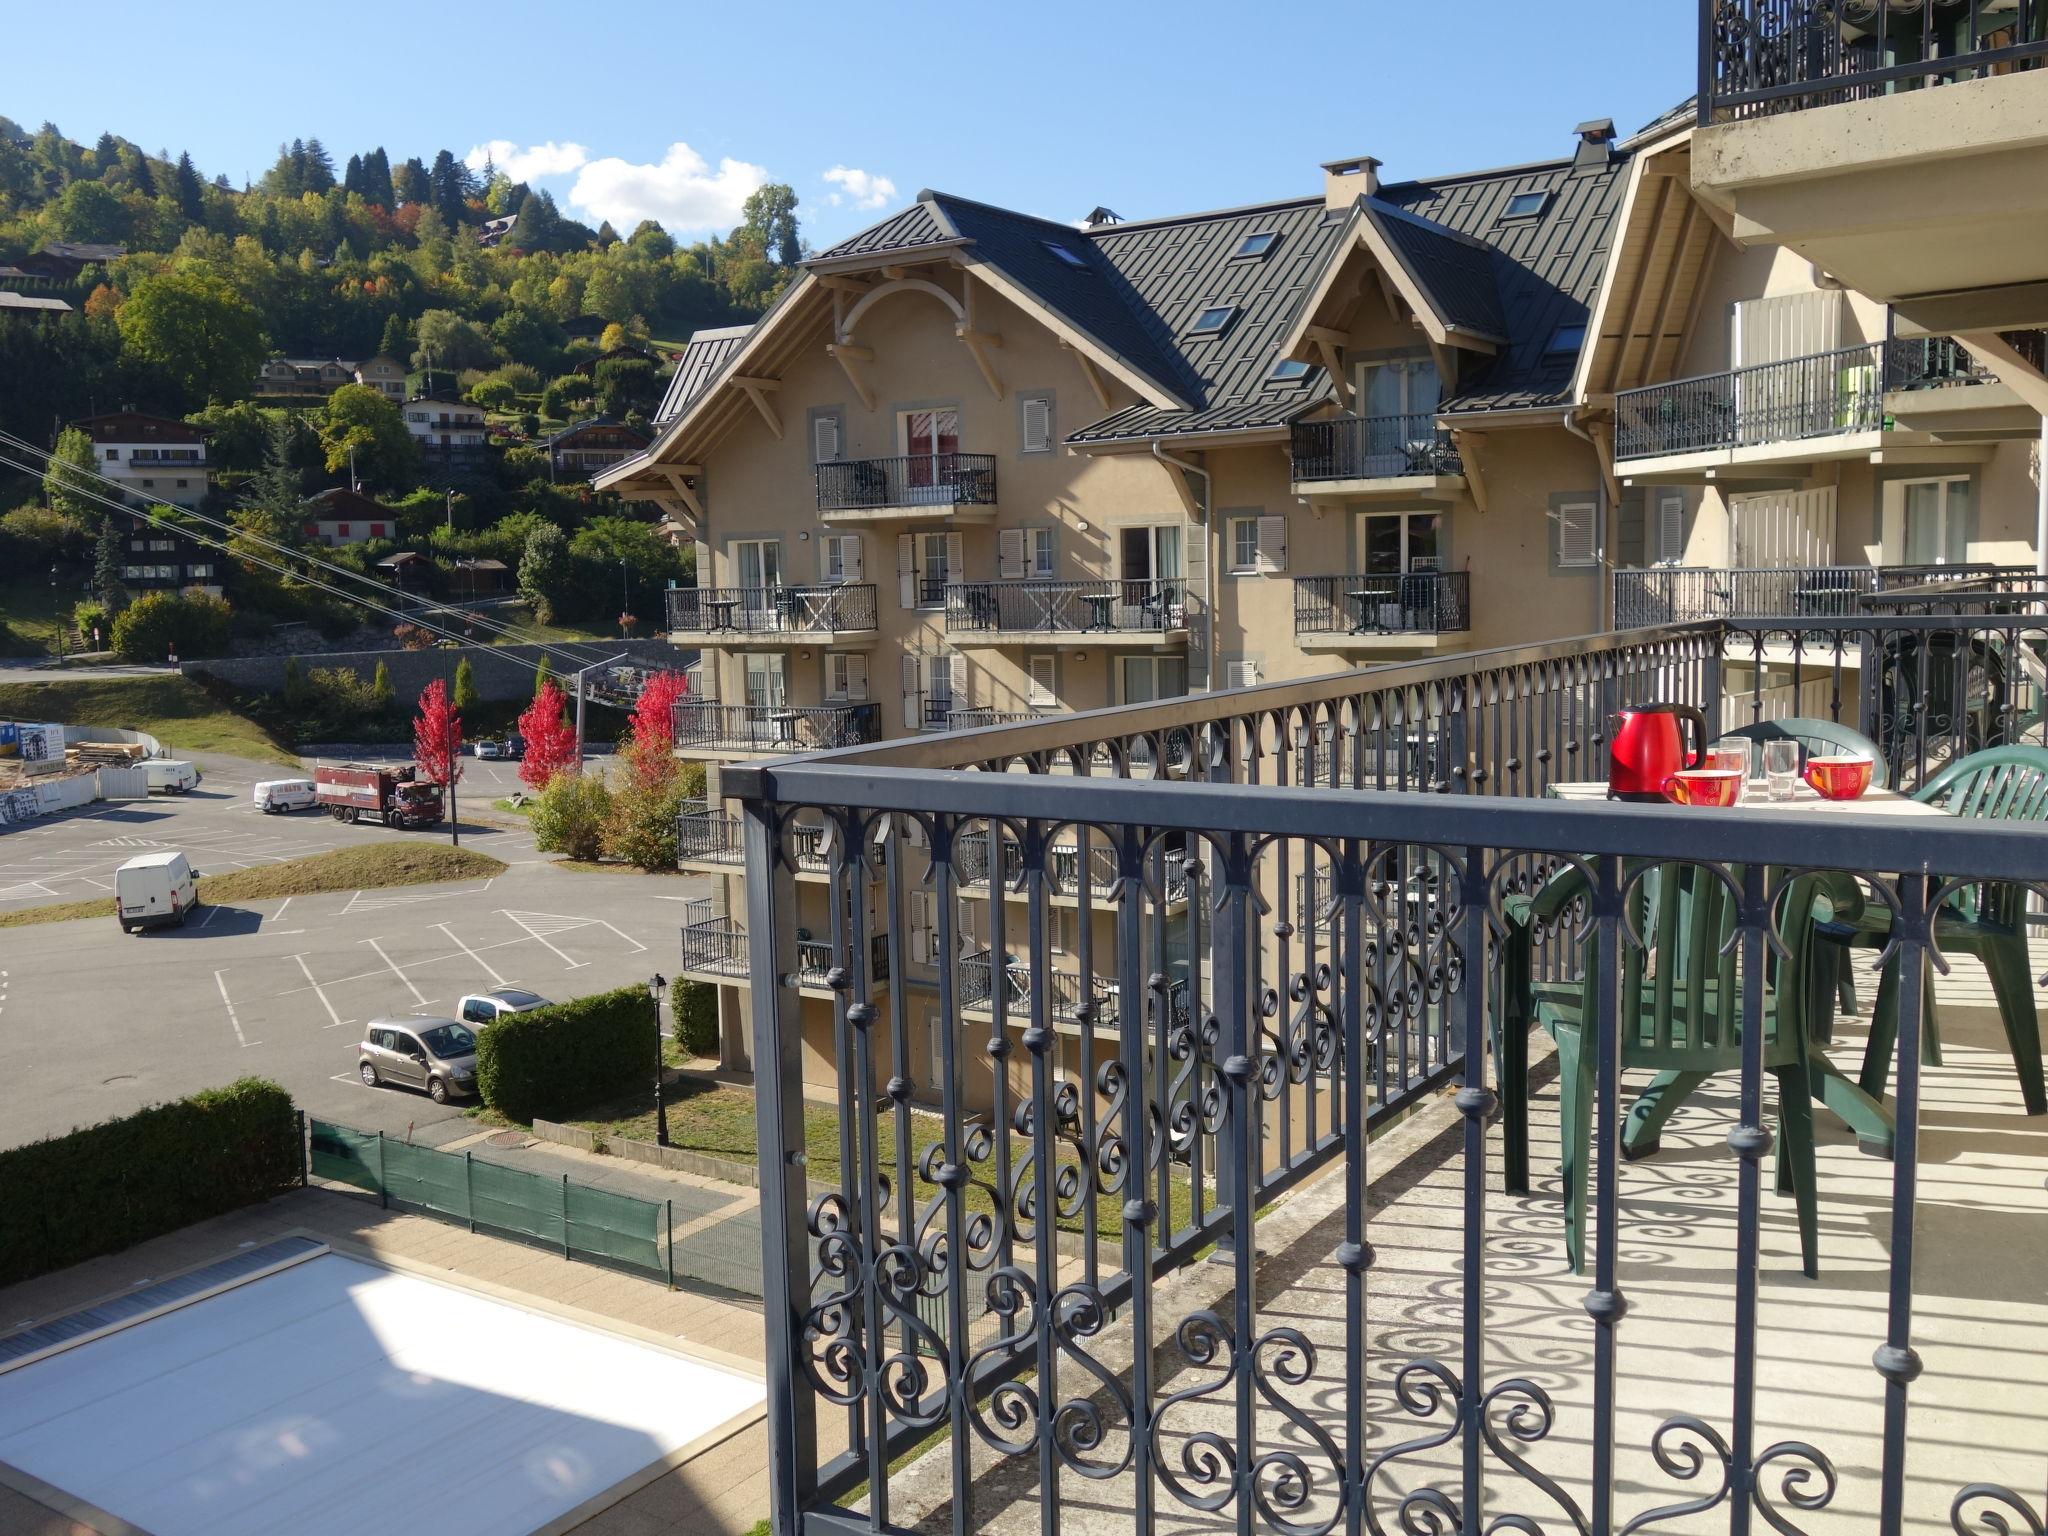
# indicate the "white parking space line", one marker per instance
pixel 360 903
pixel 324 1003
pixel 417 996
pixel 479 959
pixel 280 911
pixel 573 965
pixel 220 980
pixel 212 912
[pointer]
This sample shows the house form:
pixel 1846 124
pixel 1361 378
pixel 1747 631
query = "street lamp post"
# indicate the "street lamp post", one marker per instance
pixel 655 984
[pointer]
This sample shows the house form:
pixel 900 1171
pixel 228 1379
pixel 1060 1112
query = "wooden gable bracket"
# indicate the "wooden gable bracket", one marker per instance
pixel 1092 374
pixel 1468 444
pixel 758 390
pixel 1184 488
pixel 679 476
pixel 978 341
pixel 849 355
pixel 1326 343
pixel 1597 417
pixel 841 284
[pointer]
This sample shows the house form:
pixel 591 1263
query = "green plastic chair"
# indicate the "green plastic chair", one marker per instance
pixel 1985 921
pixel 1684 1024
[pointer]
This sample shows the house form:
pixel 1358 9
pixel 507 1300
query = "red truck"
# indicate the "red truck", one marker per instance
pixel 351 791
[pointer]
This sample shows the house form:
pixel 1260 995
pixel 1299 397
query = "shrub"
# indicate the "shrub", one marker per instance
pixel 30 534
pixel 556 1060
pixel 493 394
pixel 92 615
pixel 641 827
pixel 569 817
pixel 107 1187
pixel 192 623
pixel 696 1015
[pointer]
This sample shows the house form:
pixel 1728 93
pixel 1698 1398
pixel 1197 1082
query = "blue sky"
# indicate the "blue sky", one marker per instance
pixel 627 108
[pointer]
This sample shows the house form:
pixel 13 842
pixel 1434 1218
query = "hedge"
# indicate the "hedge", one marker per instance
pixel 109 1186
pixel 557 1060
pixel 696 1014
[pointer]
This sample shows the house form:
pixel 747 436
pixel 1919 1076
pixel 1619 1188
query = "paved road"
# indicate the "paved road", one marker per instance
pixel 95 1022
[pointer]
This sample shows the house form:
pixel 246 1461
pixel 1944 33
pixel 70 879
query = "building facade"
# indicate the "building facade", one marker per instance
pixel 585 447
pixel 152 458
pixel 343 516
pixel 441 425
pixel 386 375
pixel 304 378
pixel 156 557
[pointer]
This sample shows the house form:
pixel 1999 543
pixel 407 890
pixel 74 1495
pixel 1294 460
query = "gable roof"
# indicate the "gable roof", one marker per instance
pixel 576 429
pixel 1453 272
pixel 917 225
pixel 705 354
pixel 342 504
pixel 140 426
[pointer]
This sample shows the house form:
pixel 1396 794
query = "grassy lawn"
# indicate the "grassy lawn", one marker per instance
pixel 342 869
pixel 35 614
pixel 175 710
pixel 532 631
pixel 512 810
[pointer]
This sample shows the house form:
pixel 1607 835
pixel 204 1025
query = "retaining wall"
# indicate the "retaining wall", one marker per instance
pixel 500 671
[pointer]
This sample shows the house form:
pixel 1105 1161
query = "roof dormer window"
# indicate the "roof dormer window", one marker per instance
pixel 1256 246
pixel 1214 320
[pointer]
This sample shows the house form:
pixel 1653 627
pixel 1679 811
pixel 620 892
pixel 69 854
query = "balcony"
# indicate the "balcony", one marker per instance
pixel 1293 1257
pixel 1028 612
pixel 972 719
pixel 1374 455
pixel 1897 144
pixel 1167 876
pixel 714 948
pixel 709 838
pixel 1381 614
pixel 947 487
pixel 1688 594
pixel 707 726
pixel 764 615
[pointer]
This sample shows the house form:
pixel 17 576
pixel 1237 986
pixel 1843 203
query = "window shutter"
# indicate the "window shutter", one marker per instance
pixel 1671 528
pixel 824 438
pixel 1240 674
pixel 906 570
pixel 956 564
pixel 1043 691
pixel 1273 543
pixel 856 677
pixel 958 674
pixel 1010 553
pixel 921 925
pixel 1037 424
pixel 913 693
pixel 1575 536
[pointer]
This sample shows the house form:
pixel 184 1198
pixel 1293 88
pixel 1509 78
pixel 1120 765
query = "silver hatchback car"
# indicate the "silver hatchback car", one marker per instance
pixel 438 1055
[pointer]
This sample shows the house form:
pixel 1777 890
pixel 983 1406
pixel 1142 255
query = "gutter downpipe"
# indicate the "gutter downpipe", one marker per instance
pixel 1602 618
pixel 1209 552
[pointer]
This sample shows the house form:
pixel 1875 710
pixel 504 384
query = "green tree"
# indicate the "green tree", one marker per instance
pixel 465 685
pixel 201 335
pixel 72 476
pixel 238 434
pixel 381 694
pixel 451 342
pixel 365 431
pixel 543 673
pixel 92 211
pixel 294 689
pixel 771 214
pixel 160 624
pixel 396 340
pixel 273 502
pixel 546 573
pixel 106 568
pixel 190 192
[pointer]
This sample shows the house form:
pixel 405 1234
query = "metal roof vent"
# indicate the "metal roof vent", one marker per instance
pixel 1596 142
pixel 1099 216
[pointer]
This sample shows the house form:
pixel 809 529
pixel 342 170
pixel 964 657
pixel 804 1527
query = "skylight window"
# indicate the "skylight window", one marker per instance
pixel 1526 205
pixel 1289 370
pixel 1566 338
pixel 1214 320
pixel 1073 259
pixel 1255 245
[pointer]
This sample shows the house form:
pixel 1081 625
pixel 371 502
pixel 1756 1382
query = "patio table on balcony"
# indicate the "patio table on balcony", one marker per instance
pixel 1367 601
pixel 1100 603
pixel 784 721
pixel 721 612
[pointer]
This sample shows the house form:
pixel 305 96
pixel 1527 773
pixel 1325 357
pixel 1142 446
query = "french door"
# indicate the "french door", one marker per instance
pixel 930 441
pixel 1937 521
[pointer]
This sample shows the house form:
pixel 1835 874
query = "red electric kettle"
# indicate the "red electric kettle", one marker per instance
pixel 1645 747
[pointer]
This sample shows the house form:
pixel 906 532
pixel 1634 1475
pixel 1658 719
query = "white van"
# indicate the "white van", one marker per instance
pixel 274 795
pixel 155 888
pixel 171 775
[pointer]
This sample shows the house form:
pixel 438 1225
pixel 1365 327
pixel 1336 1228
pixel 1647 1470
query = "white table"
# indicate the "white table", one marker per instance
pixel 1873 802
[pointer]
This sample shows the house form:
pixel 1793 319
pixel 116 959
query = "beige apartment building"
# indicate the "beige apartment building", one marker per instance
pixel 977 465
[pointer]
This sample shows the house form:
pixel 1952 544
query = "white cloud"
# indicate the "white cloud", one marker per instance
pixel 549 159
pixel 862 189
pixel 681 191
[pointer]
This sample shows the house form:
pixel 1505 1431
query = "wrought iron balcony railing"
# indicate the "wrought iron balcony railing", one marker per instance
pixel 1419 603
pixel 916 480
pixel 1063 864
pixel 1373 448
pixel 1686 594
pixel 1759 57
pixel 826 609
pixel 979 719
pixel 709 725
pixel 1066 607
pixel 1062 990
pixel 707 835
pixel 716 945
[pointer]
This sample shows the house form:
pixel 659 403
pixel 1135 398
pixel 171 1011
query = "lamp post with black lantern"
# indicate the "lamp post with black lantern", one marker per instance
pixel 655 984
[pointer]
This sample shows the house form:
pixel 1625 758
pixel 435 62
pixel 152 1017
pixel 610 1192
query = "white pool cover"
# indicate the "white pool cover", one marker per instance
pixel 336 1396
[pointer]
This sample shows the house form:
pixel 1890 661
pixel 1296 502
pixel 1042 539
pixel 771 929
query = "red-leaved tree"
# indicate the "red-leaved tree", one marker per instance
pixel 437 736
pixel 651 751
pixel 550 738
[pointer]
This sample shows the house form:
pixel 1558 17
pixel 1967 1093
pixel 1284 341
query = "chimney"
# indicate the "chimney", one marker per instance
pixel 1347 180
pixel 1596 142
pixel 1100 217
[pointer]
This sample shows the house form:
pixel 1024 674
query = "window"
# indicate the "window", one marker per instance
pixel 1035 435
pixel 1073 259
pixel 1402 386
pixel 1043 669
pixel 1526 205
pixel 341 530
pixel 113 454
pixel 1256 245
pixel 376 530
pixel 1145 678
pixel 149 485
pixel 923 923
pixel 925 563
pixel 1039 540
pixel 1566 338
pixel 1150 553
pixel 846 675
pixel 1258 543
pixel 199 572
pixel 1244 545
pixel 1670 528
pixel 758 563
pixel 764 680
pixel 1214 320
pixel 1578 541
pixel 1024 553
pixel 163 544
pixel 1936 521
pixel 930 440
pixel 933 686
pixel 839 557
pixel 1397 543
pixel 1289 370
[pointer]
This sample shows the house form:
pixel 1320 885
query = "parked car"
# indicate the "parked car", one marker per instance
pixel 155 888
pixel 482 1007
pixel 487 749
pixel 515 747
pixel 273 796
pixel 171 775
pixel 438 1055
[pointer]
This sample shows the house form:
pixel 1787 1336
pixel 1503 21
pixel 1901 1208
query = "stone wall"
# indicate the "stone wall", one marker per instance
pixel 500 671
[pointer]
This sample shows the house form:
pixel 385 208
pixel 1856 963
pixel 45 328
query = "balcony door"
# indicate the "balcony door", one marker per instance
pixel 1935 517
pixel 1146 678
pixel 766 683
pixel 1151 553
pixel 1402 386
pixel 1397 543
pixel 930 439
pixel 759 562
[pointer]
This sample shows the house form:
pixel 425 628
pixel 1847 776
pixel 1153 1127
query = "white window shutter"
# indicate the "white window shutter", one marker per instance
pixel 956 564
pixel 825 438
pixel 906 569
pixel 1671 527
pixel 913 692
pixel 1240 674
pixel 1273 543
pixel 1575 533
pixel 958 663
pixel 1043 672
pixel 856 676
pixel 1010 553
pixel 1037 424
pixel 921 925
pixel 835 675
pixel 849 556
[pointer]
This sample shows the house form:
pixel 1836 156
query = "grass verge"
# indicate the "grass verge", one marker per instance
pixel 341 869
pixel 512 810
pixel 35 614
pixel 175 710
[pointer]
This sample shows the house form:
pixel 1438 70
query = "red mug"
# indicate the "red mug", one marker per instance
pixel 1704 786
pixel 1839 778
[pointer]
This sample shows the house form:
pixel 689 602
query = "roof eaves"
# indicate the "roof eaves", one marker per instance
pixel 1129 369
pixel 861 261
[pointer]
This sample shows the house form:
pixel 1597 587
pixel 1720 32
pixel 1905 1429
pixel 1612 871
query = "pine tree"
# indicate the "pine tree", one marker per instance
pixel 409 182
pixel 352 178
pixel 606 235
pixel 297 156
pixel 447 186
pixel 191 200
pixel 143 177
pixel 543 674
pixel 106 569
pixel 381 695
pixel 295 682
pixel 377 179
pixel 396 341
pixel 465 685
pixel 319 167
pixel 105 154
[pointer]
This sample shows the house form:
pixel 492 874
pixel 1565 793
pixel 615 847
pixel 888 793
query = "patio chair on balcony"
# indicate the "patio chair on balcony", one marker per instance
pixel 1680 1017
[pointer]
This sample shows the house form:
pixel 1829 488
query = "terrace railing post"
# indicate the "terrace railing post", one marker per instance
pixel 778 1108
pixel 1135 1132
pixel 1236 1178
pixel 1475 1102
pixel 1896 1360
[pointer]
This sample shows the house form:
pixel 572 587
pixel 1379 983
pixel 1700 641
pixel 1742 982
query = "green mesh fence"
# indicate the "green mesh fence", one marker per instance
pixel 573 1219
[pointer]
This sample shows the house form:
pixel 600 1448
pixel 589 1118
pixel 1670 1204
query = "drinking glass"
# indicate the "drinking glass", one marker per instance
pixel 1731 753
pixel 1781 769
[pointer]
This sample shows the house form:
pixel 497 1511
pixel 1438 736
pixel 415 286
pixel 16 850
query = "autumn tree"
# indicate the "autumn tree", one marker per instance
pixel 364 432
pixel 654 719
pixel 437 736
pixel 550 738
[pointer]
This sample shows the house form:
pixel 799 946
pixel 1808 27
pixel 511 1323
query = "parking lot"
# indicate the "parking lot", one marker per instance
pixel 95 1022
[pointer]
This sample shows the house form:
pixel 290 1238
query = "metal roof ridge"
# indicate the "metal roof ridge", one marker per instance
pixel 1274 205
pixel 1375 206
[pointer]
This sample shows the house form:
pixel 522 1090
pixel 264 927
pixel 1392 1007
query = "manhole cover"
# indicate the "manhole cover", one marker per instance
pixel 509 1139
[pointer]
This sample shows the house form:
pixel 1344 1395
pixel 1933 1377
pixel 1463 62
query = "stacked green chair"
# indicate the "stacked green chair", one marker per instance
pixel 1681 1017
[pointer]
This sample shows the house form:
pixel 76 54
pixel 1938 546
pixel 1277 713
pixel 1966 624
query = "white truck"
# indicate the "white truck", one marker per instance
pixel 153 889
pixel 171 775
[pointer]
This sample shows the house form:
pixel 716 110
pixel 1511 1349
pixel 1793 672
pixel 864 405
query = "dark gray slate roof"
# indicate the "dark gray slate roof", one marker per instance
pixel 1454 271
pixel 706 353
pixel 914 226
